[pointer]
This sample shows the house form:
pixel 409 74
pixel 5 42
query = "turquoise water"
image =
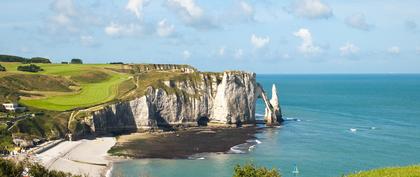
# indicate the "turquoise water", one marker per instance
pixel 382 110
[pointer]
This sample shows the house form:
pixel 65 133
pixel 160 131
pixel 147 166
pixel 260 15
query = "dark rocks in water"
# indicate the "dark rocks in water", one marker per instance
pixel 182 144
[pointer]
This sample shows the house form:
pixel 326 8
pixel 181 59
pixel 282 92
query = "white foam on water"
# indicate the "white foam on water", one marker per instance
pixel 353 129
pixel 235 150
pixel 372 128
pixel 251 148
pixel 259 115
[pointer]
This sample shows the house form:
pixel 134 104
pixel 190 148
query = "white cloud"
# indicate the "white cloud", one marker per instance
pixel 247 8
pixel 191 14
pixel 238 53
pixel 394 50
pixel 222 51
pixel 164 29
pixel 188 7
pixel 69 18
pixel 307 47
pixel 117 30
pixel 87 40
pixel 349 49
pixel 136 7
pixel 64 14
pixel 311 9
pixel 259 42
pixel 358 21
pixel 285 56
pixel 186 54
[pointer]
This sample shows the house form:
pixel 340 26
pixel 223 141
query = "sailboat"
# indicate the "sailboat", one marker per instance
pixel 296 170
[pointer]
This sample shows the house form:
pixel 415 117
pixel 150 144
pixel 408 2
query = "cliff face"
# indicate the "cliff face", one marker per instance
pixel 227 98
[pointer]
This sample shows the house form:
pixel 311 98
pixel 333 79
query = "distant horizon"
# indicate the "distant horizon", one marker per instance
pixel 54 61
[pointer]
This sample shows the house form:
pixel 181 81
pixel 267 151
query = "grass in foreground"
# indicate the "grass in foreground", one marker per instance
pixel 408 171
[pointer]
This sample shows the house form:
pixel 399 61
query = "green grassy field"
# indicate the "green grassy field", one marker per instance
pixel 97 85
pixel 409 171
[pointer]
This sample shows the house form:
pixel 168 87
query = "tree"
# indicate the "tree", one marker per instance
pixel 76 61
pixel 250 170
pixel 39 60
pixel 30 68
pixel 11 58
pixel 2 68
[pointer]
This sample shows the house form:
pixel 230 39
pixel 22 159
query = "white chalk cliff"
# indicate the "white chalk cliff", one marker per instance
pixel 228 98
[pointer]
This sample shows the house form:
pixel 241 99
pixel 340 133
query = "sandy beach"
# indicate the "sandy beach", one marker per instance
pixel 82 157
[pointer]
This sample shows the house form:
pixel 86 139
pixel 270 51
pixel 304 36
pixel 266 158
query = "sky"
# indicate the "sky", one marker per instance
pixel 263 36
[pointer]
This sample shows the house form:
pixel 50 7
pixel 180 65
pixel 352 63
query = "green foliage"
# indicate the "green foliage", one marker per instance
pixel 116 63
pixel 11 58
pixel 38 60
pixel 250 170
pixel 30 68
pixel 2 68
pixel 5 139
pixel 11 168
pixel 408 171
pixel 50 125
pixel 76 61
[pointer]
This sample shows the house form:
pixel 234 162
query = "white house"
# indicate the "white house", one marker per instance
pixel 13 107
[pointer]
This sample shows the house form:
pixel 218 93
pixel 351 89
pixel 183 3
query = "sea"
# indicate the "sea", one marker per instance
pixel 335 125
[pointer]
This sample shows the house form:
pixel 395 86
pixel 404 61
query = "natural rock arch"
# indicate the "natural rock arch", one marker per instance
pixel 273 114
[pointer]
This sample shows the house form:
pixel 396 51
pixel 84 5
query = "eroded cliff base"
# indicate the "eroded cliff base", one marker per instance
pixel 182 144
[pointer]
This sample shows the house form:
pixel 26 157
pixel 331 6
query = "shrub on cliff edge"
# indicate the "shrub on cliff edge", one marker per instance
pixel 2 68
pixel 250 170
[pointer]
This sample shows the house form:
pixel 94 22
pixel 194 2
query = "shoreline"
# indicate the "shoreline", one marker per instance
pixel 82 157
pixel 95 157
pixel 182 144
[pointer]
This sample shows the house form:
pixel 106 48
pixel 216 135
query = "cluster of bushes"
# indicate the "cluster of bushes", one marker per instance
pixel 30 68
pixel 11 168
pixel 76 61
pixel 250 170
pixel 2 68
pixel 11 58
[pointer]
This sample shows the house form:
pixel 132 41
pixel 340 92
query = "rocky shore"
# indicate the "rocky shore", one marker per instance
pixel 182 143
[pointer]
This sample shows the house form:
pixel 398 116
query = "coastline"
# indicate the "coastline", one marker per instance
pixel 82 157
pixel 182 144
pixel 95 157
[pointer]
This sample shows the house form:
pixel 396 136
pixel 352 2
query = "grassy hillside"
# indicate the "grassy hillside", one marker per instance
pixel 62 90
pixel 409 171
pixel 80 85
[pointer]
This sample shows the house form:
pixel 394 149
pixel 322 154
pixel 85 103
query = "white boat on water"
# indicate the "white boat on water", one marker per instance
pixel 296 170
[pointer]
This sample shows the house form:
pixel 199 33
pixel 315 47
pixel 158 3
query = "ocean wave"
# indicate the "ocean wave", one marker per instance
pixel 259 115
pixel 356 129
pixel 292 119
pixel 254 141
pixel 195 157
pixel 244 147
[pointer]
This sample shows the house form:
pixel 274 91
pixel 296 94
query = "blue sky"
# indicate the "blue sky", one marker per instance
pixel 264 36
